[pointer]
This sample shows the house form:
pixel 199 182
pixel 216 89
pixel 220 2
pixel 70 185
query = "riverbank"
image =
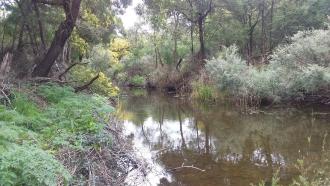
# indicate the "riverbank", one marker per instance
pixel 50 135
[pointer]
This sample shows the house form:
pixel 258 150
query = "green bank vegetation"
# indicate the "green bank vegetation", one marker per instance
pixel 39 128
pixel 295 71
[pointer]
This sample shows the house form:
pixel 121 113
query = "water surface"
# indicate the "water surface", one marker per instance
pixel 187 143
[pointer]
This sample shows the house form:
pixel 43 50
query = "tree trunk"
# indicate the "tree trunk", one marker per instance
pixel 192 41
pixel 41 31
pixel 263 29
pixel 271 25
pixel 201 37
pixel 61 36
pixel 175 37
pixel 250 37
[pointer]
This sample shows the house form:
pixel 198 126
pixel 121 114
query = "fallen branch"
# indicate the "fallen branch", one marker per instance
pixel 5 94
pixel 320 113
pixel 178 64
pixel 83 87
pixel 46 80
pixel 69 68
pixel 189 167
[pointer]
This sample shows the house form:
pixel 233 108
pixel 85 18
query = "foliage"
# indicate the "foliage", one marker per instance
pixel 30 136
pixel 119 48
pixel 27 165
pixel 306 48
pixel 312 174
pixel 295 69
pixel 78 44
pixel 204 92
pixel 54 94
pixel 138 81
pixel 99 59
pixel 102 85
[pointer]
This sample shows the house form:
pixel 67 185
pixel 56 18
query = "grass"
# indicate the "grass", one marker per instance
pixel 31 136
pixel 204 92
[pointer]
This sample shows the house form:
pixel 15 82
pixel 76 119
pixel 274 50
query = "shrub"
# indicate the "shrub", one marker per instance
pixel 295 70
pixel 306 48
pixel 99 59
pixel 138 81
pixel 228 71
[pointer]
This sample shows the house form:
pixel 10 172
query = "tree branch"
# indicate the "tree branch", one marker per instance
pixel 190 167
pixel 51 2
pixel 83 87
pixel 69 68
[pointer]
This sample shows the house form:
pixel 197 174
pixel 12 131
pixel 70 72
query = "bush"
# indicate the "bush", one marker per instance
pixel 295 70
pixel 99 59
pixel 138 81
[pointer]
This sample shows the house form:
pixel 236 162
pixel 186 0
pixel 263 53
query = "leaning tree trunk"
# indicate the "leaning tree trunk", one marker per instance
pixel 61 36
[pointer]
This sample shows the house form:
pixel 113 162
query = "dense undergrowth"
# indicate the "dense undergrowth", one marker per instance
pixel 39 124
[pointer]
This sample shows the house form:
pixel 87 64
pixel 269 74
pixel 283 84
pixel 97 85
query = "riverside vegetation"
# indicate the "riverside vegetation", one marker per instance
pixel 41 132
pixel 62 62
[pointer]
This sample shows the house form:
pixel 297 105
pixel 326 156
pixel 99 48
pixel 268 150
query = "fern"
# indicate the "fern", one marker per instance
pixel 70 120
pixel 28 165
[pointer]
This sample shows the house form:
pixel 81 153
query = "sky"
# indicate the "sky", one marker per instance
pixel 130 17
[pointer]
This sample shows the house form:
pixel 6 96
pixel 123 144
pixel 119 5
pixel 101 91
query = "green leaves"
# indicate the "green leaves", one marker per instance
pixel 295 69
pixel 29 136
pixel 28 165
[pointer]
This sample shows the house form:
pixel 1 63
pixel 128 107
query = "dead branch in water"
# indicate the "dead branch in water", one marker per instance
pixel 189 167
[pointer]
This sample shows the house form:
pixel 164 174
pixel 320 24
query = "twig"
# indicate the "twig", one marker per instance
pixel 190 167
pixel 46 80
pixel 69 68
pixel 321 113
pixel 3 92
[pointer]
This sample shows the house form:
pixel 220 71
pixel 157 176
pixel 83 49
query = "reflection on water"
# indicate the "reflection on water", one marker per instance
pixel 234 149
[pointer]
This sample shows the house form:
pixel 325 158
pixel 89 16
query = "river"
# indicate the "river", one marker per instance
pixel 189 143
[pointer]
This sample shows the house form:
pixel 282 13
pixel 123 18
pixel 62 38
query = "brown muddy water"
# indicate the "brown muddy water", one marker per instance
pixel 186 143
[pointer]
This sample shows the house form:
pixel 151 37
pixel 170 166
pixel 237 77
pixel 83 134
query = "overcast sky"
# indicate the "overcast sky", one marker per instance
pixel 130 17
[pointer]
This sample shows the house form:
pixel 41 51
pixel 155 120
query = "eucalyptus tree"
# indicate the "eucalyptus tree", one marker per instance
pixel 71 10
